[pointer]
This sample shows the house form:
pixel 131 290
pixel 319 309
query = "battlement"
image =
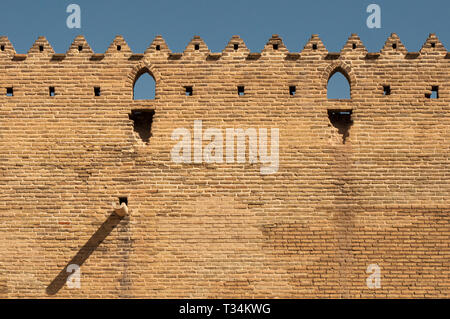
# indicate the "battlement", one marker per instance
pixel 236 48
pixel 25 74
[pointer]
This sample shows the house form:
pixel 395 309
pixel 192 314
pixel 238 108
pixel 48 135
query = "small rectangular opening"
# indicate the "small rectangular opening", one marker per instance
pixel 386 89
pixel 236 46
pixel 2 47
pixel 123 200
pixel 189 90
pixel 314 46
pixel 80 48
pixel 241 91
pixel 119 47
pixel 394 46
pixel 354 46
pixel 51 91
pixel 292 90
pixel 158 47
pixel 97 91
pixel 41 48
pixel 433 44
pixel 275 46
pixel 197 47
pixel 9 92
pixel 434 92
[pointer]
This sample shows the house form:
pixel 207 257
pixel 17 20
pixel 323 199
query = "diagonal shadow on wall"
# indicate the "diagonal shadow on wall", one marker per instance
pixel 84 253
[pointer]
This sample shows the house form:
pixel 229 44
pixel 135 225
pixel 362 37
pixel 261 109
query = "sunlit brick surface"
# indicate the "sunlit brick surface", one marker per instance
pixel 225 230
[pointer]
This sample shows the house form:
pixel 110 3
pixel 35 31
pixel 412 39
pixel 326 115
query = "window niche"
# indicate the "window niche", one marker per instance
pixel 342 120
pixel 142 123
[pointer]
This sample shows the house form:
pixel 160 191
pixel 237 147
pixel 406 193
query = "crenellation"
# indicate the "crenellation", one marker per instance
pixel 354 47
pixel 79 48
pixel 158 48
pixel 236 48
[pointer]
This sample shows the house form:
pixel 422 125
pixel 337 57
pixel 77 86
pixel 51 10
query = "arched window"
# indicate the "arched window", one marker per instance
pixel 338 85
pixel 144 86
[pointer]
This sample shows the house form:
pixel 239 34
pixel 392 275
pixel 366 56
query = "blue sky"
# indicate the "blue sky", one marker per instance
pixel 139 21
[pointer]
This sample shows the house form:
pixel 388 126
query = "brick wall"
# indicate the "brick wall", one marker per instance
pixel 225 230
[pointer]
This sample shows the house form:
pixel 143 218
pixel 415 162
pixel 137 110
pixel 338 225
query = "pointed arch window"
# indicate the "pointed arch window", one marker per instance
pixel 144 87
pixel 338 86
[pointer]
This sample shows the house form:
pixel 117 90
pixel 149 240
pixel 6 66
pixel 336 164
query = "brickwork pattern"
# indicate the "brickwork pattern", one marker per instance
pixel 225 230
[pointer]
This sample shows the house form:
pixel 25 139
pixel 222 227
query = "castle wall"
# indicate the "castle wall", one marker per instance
pixel 225 230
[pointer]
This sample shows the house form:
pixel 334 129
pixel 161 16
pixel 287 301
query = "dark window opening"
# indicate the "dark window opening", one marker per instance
pixel 433 44
pixel 158 47
pixel 51 91
pixel 144 86
pixel 9 92
pixel 123 200
pixel 2 47
pixel 142 123
pixel 342 120
pixel 236 46
pixel 41 48
pixel 241 91
pixel 434 93
pixel 292 90
pixel 119 47
pixel 275 46
pixel 386 89
pixel 97 91
pixel 197 47
pixel 394 46
pixel 189 90
pixel 80 48
pixel 354 46
pixel 314 46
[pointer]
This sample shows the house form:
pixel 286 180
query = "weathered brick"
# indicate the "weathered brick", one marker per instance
pixel 225 230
